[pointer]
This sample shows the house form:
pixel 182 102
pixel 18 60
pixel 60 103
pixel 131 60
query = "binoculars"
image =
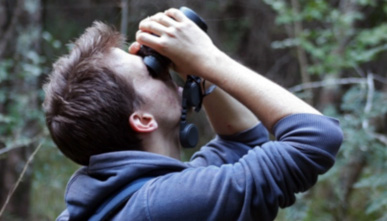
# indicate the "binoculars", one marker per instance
pixel 158 64
pixel 193 93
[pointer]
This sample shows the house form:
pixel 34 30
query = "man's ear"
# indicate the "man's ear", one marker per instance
pixel 142 122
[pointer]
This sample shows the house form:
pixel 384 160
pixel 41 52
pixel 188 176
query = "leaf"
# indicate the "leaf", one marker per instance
pixel 379 203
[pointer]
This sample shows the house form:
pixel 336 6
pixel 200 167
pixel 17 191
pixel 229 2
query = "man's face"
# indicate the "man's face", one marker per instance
pixel 162 98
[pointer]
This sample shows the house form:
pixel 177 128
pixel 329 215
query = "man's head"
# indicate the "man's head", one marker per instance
pixel 101 99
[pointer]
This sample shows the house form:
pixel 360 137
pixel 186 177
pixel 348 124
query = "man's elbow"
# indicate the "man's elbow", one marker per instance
pixel 332 137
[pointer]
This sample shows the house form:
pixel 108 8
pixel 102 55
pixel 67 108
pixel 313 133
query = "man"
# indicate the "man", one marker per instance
pixel 106 112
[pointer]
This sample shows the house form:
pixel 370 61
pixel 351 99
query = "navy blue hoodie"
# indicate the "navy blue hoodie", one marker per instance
pixel 240 177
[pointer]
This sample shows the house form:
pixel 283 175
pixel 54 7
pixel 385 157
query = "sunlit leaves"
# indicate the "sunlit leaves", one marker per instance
pixel 330 37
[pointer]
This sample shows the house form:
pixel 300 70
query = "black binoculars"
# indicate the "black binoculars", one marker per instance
pixel 193 92
pixel 158 64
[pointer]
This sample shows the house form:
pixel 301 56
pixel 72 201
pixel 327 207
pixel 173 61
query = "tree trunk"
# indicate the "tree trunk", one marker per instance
pixel 19 43
pixel 301 54
pixel 124 18
pixel 332 95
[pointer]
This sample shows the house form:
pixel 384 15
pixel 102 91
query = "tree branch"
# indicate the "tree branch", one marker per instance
pixel 380 137
pixel 20 145
pixel 370 95
pixel 19 179
pixel 301 55
pixel 318 84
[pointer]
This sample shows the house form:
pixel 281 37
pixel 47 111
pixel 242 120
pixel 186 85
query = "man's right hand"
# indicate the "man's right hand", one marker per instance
pixel 175 36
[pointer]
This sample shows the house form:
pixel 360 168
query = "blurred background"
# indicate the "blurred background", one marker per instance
pixel 331 53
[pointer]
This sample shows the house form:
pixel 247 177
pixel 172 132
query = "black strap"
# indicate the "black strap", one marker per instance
pixel 202 92
pixel 113 203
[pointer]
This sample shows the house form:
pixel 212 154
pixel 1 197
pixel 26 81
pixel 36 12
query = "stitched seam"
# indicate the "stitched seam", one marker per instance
pixel 148 215
pixel 120 165
pixel 72 181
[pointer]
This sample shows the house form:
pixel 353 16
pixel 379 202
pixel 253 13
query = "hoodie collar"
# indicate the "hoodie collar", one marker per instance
pixel 109 172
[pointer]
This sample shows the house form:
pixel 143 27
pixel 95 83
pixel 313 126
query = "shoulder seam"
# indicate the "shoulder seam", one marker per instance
pixel 148 214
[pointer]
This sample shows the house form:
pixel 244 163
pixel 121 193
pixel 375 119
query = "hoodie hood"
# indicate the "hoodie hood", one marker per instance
pixel 107 173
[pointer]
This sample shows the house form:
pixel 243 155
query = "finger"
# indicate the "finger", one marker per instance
pixel 145 38
pixel 163 19
pixel 134 48
pixel 152 27
pixel 176 14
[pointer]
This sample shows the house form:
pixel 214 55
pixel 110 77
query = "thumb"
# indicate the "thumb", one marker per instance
pixel 134 48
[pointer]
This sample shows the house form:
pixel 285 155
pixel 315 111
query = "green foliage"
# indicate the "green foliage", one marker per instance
pixel 235 30
pixel 337 40
pixel 330 36
pixel 368 200
pixel 51 173
pixel 51 168
pixel 360 140
pixel 18 93
pixel 22 122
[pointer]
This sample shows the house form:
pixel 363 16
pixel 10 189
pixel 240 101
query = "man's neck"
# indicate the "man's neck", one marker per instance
pixel 163 142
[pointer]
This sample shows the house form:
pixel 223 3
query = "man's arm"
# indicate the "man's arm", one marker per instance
pixel 177 36
pixel 269 101
pixel 226 114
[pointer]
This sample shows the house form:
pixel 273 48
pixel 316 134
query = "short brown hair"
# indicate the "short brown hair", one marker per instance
pixel 87 105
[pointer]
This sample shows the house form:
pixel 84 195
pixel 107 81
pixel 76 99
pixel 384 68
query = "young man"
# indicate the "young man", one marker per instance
pixel 106 112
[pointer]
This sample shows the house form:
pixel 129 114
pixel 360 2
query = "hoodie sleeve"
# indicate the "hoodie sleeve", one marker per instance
pixel 229 149
pixel 253 188
pixel 64 216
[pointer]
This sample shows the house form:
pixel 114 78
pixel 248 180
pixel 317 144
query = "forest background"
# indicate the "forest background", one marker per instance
pixel 331 53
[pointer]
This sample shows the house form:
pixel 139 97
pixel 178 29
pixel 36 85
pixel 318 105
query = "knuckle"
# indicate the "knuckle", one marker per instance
pixel 157 16
pixel 188 24
pixel 163 19
pixel 143 24
pixel 171 31
pixel 172 11
pixel 150 26
pixel 163 45
pixel 180 27
pixel 140 37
